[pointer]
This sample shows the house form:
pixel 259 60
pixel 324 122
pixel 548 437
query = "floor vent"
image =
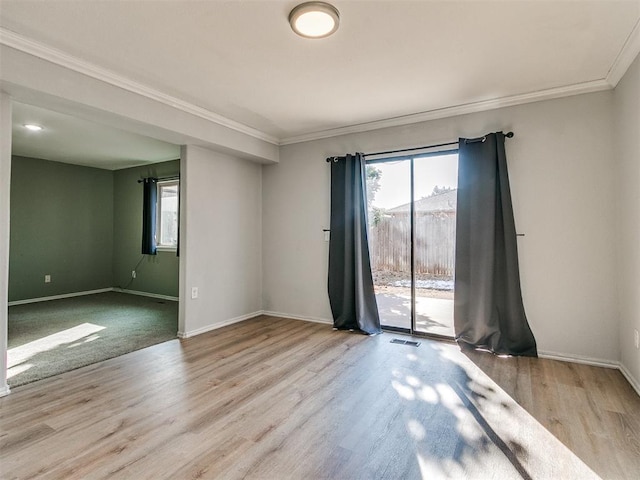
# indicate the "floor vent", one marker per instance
pixel 411 343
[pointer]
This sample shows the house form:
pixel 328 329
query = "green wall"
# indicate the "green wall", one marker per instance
pixel 61 225
pixel 83 227
pixel 156 274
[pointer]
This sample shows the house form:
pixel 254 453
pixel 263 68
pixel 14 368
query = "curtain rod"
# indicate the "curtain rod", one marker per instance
pixel 162 179
pixel 468 140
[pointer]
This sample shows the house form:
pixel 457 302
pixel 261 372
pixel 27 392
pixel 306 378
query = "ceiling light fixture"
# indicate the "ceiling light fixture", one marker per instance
pixel 33 127
pixel 314 19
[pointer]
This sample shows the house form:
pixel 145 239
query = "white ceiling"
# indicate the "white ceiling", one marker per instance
pixel 389 59
pixel 69 139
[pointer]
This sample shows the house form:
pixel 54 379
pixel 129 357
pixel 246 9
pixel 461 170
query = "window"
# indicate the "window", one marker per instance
pixel 167 220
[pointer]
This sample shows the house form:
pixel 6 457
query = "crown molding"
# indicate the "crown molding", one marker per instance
pixel 549 94
pixel 622 62
pixel 625 58
pixel 60 58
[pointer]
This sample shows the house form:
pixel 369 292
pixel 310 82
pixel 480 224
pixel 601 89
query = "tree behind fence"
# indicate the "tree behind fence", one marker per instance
pixel 435 237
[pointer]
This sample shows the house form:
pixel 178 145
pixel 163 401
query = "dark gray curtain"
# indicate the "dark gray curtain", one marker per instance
pixel 149 202
pixel 350 284
pixel 488 308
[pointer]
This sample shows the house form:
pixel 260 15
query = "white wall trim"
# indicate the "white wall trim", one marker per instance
pixel 215 326
pixel 58 297
pixel 564 357
pixel 93 292
pixel 4 391
pixel 625 58
pixel 627 374
pixel 298 317
pixel 63 59
pixel 596 362
pixel 29 46
pixel 549 94
pixel 146 294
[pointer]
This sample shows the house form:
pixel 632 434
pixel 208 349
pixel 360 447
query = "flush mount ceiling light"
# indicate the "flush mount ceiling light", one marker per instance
pixel 314 19
pixel 33 127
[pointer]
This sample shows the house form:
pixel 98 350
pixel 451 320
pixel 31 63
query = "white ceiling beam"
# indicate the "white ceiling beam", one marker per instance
pixel 63 59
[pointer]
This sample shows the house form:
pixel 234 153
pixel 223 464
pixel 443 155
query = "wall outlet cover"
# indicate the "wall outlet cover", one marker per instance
pixel 194 292
pixel 47 279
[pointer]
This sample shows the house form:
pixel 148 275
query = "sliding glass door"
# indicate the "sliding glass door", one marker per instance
pixel 389 201
pixel 412 215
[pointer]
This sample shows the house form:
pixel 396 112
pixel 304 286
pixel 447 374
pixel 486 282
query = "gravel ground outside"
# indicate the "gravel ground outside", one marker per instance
pixel 420 292
pixel 397 283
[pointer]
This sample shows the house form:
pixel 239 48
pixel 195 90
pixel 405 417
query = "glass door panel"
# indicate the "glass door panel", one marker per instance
pixel 389 209
pixel 435 184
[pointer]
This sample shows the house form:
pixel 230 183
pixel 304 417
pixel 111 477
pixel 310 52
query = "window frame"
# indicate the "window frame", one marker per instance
pixel 160 185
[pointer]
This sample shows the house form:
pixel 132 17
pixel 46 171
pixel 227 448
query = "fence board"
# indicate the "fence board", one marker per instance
pixel 435 236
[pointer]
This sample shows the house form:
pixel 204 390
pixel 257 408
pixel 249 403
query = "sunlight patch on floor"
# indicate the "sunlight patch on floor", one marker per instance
pixel 18 355
pixel 493 430
pixel 18 369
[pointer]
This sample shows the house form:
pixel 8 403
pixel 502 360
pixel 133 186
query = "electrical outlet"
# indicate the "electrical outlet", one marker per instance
pixel 47 279
pixel 133 274
pixel 636 338
pixel 194 292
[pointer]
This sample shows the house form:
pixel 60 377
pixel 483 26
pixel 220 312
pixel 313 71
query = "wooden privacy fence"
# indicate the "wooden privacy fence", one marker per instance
pixel 435 243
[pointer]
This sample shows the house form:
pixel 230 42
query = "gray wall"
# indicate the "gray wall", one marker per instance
pixel 627 135
pixel 221 211
pixel 83 227
pixel 156 274
pixel 562 180
pixel 61 225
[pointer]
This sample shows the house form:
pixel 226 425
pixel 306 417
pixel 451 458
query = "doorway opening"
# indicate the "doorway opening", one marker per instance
pixel 411 204
pixel 80 290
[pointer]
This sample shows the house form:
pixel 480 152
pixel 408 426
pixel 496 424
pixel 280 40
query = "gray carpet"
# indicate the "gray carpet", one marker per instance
pixel 49 338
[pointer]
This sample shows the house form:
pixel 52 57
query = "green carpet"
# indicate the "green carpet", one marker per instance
pixel 48 338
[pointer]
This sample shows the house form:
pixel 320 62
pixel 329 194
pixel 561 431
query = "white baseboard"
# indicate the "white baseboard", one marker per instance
pixel 58 297
pixel 215 326
pixel 5 390
pixel 298 317
pixel 596 362
pixel 634 382
pixel 92 292
pixel 563 357
pixel 249 316
pixel 146 294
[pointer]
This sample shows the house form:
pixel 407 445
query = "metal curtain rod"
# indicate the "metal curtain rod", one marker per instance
pixel 468 140
pixel 411 149
pixel 162 179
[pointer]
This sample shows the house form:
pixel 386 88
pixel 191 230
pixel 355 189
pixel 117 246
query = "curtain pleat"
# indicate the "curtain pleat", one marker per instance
pixel 488 308
pixel 350 283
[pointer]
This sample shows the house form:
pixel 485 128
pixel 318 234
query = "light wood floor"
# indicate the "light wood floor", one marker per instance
pixel 276 398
